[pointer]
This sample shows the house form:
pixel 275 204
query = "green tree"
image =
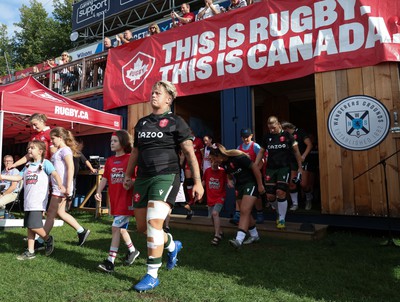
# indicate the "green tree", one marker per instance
pixel 59 39
pixel 30 41
pixel 42 37
pixel 5 50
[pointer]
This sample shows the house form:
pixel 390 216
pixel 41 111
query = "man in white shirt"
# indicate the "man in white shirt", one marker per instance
pixel 10 188
pixel 209 10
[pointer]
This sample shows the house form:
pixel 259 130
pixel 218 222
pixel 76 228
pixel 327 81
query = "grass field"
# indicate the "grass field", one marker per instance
pixel 342 267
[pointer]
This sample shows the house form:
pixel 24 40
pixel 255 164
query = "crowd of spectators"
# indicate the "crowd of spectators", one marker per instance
pixel 185 16
pixel 66 79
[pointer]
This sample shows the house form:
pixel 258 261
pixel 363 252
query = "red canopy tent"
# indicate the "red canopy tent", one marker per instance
pixel 19 100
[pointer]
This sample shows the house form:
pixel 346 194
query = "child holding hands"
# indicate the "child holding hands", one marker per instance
pixel 35 177
pixel 214 182
pixel 62 159
pixel 120 199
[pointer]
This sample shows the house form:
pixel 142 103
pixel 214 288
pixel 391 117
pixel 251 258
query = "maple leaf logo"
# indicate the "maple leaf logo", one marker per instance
pixel 138 70
pixel 46 95
pixel 135 72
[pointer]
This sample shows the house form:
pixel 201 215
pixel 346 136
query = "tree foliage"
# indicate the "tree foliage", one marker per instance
pixel 5 50
pixel 40 36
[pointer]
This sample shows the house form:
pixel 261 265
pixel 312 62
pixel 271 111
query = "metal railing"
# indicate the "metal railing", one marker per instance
pixel 77 76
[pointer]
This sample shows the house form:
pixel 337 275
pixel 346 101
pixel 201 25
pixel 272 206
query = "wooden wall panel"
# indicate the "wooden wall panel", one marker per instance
pixel 329 152
pixel 135 112
pixel 340 193
pixel 388 146
pixel 362 196
pixel 342 86
pixel 394 76
pixel 323 165
pixel 374 175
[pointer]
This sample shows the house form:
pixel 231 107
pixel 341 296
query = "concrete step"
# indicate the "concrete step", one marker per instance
pixel 297 231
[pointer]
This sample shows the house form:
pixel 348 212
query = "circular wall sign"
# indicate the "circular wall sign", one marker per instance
pixel 359 122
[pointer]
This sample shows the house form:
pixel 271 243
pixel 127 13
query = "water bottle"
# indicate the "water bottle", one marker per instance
pixel 5 214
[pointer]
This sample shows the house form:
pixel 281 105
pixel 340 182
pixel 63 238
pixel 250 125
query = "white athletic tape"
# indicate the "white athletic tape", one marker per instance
pixel 159 210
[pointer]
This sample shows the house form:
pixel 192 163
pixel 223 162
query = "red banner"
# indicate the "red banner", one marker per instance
pixel 265 42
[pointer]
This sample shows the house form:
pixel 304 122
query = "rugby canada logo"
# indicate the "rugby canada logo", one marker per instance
pixel 45 95
pixel 359 122
pixel 137 70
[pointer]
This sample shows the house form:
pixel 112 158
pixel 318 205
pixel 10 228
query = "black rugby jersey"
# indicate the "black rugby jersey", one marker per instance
pixel 280 149
pixel 300 135
pixel 157 138
pixel 239 168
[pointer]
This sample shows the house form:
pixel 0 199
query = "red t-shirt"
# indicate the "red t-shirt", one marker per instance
pixel 44 136
pixel 114 172
pixel 215 181
pixel 189 16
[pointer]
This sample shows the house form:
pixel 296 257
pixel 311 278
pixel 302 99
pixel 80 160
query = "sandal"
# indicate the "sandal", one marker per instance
pixel 216 240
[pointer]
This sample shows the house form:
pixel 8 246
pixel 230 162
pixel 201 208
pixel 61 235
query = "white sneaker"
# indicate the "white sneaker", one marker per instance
pixel 251 240
pixel 235 243
pixel 294 207
pixel 308 205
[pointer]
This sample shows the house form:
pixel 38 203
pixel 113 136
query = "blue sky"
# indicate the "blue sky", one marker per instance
pixel 9 12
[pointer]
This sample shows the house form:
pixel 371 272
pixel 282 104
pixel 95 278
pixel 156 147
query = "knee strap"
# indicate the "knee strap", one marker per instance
pixel 159 210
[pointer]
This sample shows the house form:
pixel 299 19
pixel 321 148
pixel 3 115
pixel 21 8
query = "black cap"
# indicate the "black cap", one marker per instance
pixel 246 132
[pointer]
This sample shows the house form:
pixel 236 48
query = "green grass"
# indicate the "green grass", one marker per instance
pixel 341 267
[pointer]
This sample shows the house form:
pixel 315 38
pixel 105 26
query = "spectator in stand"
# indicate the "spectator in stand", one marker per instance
pixel 10 190
pixel 187 16
pixel 125 38
pixel 153 29
pixel 66 74
pixel 305 147
pixel 237 4
pixel 209 10
pixel 214 181
pixel 49 64
pixel 107 44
